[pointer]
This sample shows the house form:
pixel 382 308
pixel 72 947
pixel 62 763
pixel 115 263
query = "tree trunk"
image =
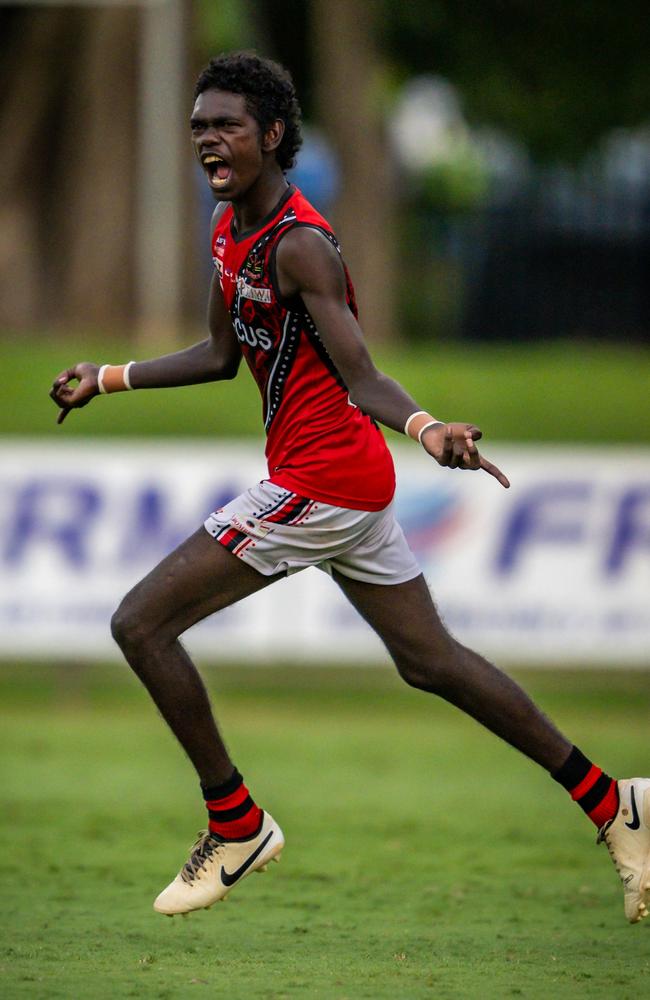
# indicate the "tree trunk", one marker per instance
pixel 71 114
pixel 93 229
pixel 348 97
pixel 29 85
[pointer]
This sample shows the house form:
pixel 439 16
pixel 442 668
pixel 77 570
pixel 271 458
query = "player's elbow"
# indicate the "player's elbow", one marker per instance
pixel 230 368
pixel 223 365
pixel 364 388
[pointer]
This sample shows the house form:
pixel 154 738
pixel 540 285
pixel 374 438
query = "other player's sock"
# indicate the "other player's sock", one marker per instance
pixel 232 813
pixel 591 788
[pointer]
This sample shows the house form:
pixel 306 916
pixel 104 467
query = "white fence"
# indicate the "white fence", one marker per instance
pixel 554 571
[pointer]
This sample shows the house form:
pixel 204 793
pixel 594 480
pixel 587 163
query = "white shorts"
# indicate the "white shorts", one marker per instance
pixel 275 531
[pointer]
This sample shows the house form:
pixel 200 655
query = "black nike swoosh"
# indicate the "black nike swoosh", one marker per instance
pixel 636 822
pixel 230 879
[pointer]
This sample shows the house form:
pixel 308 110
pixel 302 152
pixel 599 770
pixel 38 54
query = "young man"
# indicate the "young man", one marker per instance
pixel 281 297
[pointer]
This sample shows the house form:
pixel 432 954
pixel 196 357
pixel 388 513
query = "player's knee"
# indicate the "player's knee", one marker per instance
pixel 128 628
pixel 426 670
pixel 417 675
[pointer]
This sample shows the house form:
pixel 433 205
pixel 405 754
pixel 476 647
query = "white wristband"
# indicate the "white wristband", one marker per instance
pixel 418 413
pixel 100 379
pixel 432 423
pixel 419 422
pixel 125 375
pixel 114 378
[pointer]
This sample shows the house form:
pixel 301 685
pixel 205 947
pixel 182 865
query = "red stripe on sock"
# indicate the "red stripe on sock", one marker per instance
pixel 238 829
pixel 586 783
pixel 228 801
pixel 606 808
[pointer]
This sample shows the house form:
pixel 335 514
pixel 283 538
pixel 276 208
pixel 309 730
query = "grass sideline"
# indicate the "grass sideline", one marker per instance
pixel 424 858
pixel 560 391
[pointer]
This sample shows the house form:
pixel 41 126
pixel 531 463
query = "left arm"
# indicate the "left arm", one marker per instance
pixel 309 266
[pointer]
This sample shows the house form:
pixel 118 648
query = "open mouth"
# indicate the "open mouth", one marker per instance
pixel 217 169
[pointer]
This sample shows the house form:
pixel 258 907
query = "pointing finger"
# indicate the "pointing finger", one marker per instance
pixel 493 470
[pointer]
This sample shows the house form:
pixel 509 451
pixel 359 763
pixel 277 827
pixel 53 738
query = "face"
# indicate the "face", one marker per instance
pixel 228 143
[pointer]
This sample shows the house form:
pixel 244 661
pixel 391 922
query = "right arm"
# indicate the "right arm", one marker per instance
pixel 218 357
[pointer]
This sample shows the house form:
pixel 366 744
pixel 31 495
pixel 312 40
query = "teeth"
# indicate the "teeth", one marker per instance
pixel 212 159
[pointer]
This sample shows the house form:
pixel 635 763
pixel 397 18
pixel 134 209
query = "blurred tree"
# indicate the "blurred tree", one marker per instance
pixel 333 51
pixel 348 90
pixel 556 75
pixel 66 182
pixel 78 239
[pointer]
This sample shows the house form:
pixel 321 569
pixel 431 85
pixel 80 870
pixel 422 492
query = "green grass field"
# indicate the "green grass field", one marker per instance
pixel 423 859
pixel 562 391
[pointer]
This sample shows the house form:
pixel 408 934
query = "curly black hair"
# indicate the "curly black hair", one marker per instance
pixel 269 93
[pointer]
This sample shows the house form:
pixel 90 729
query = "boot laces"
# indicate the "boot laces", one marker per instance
pixel 602 834
pixel 205 847
pixel 603 838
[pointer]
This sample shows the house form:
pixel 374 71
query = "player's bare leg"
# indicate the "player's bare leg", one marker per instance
pixel 197 579
pixel 429 658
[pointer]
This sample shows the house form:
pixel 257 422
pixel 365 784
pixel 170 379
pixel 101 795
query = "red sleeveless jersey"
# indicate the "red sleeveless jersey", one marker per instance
pixel 318 443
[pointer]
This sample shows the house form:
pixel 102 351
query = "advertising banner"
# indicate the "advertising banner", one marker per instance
pixel 554 571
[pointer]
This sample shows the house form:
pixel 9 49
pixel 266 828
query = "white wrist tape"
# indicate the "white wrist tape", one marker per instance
pixel 114 378
pixel 417 423
pixel 432 423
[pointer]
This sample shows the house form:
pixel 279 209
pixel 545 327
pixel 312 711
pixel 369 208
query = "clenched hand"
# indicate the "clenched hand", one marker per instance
pixel 69 397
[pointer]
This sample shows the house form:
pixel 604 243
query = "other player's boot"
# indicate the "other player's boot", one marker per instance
pixel 628 841
pixel 215 866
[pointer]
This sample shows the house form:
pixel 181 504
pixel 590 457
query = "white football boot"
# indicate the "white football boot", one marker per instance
pixel 216 866
pixel 628 841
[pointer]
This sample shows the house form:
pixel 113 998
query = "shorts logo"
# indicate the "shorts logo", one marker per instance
pixel 250 292
pixel 249 526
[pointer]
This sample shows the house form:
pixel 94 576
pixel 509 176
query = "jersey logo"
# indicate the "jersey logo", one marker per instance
pixel 253 336
pixel 251 292
pixel 254 265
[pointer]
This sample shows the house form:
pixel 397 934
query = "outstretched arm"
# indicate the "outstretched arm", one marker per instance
pixel 309 266
pixel 215 358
